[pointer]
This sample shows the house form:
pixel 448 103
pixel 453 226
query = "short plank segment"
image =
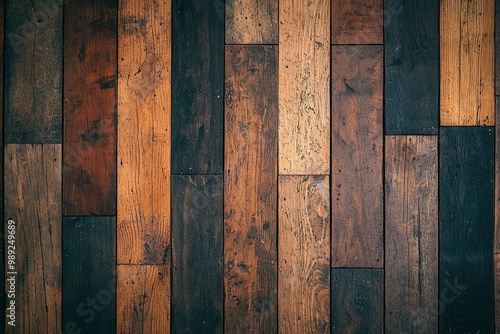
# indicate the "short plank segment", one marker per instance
pixel 304 254
pixel 497 177
pixel 355 22
pixel 89 275
pixel 197 238
pixel 89 177
pixel 466 200
pixel 304 96
pixel 467 62
pixel 197 88
pixel 357 300
pixel 251 22
pixel 411 234
pixel 497 49
pixel 357 156
pixel 497 293
pixel 411 67
pixel 33 202
pixel 250 189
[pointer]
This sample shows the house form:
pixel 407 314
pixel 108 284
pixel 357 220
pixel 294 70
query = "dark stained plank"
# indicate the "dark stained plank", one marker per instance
pixel 497 176
pixel 251 22
pixel 357 22
pixel 90 65
pixel 357 300
pixel 250 189
pixel 197 238
pixel 411 233
pixel 33 202
pixel 33 72
pixel 497 293
pixel 89 274
pixel 304 254
pixel 466 200
pixel 411 66
pixel 2 243
pixel 357 156
pixel 197 87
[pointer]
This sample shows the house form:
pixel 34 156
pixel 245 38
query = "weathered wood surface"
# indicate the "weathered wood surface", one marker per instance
pixel 251 22
pixel 355 22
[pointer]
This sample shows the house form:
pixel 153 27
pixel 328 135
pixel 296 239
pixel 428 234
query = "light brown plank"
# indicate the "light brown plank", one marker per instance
pixel 251 22
pixel 357 22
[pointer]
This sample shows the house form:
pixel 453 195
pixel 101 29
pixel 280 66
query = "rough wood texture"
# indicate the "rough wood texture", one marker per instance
pixel 497 293
pixel 355 22
pixel 497 50
pixel 411 66
pixel 304 77
pixel 33 185
pixel 143 299
pixel 251 22
pixel 466 214
pixel 304 254
pixel 357 157
pixel 411 233
pixel 357 301
pixel 89 275
pixel 197 238
pixel 497 177
pixel 144 132
pixel 33 72
pixel 89 167
pixel 197 91
pixel 467 65
pixel 250 190
pixel 2 243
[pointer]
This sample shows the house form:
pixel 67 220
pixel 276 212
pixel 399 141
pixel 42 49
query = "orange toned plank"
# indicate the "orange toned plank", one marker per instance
pixel 304 254
pixel 143 231
pixel 143 299
pixel 251 22
pixel 33 202
pixel 304 79
pixel 357 22
pixel 467 62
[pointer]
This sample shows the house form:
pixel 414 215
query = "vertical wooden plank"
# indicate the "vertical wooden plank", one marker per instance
pixel 90 38
pixel 89 275
pixel 304 251
pixel 411 67
pixel 356 22
pixel 33 202
pixel 33 72
pixel 251 22
pixel 143 299
pixel 2 239
pixel 250 189
pixel 197 88
pixel 357 157
pixel 357 300
pixel 197 239
pixel 497 293
pixel 466 199
pixel 411 233
pixel 497 49
pixel 143 231
pixel 467 62
pixel 304 97
pixel 497 177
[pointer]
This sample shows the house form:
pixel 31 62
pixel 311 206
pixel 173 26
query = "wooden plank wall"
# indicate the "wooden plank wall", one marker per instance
pixel 189 166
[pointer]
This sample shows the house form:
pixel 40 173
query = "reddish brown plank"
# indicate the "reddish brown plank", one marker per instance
pixel 357 22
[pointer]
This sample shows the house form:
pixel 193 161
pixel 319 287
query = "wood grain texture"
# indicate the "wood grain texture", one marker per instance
pixel 2 241
pixel 251 22
pixel 33 72
pixel 497 177
pixel 497 293
pixel 411 233
pixel 89 274
pixel 466 200
pixel 33 201
pixel 89 167
pixel 355 22
pixel 357 157
pixel 357 300
pixel 497 49
pixel 411 67
pixel 144 54
pixel 467 62
pixel 197 239
pixel 304 77
pixel 197 90
pixel 250 189
pixel 304 254
pixel 143 299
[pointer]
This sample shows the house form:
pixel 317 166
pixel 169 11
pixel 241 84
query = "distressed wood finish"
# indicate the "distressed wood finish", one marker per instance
pixel 356 22
pixel 304 254
pixel 497 292
pixel 2 243
pixel 357 157
pixel 497 177
pixel 251 22
pixel 497 49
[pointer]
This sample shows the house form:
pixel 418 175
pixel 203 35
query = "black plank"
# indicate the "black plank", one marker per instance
pixel 197 87
pixel 466 199
pixel 411 66
pixel 89 274
pixel 197 238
